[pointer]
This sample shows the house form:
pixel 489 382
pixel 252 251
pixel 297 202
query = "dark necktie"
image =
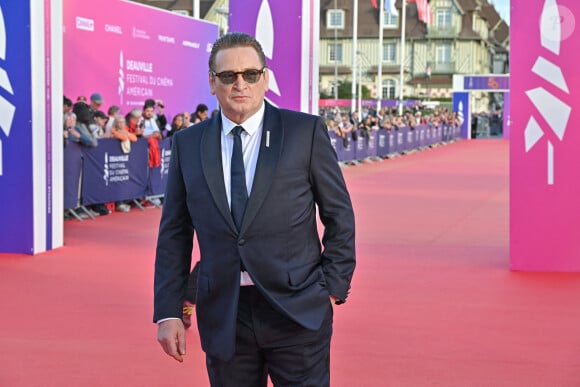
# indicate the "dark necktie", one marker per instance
pixel 239 192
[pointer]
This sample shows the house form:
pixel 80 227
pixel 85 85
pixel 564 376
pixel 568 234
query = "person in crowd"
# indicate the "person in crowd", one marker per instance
pixel 121 132
pixel 177 124
pixel 266 284
pixel 81 98
pixel 134 122
pixel 365 127
pixel 83 113
pixel 72 133
pixel 153 123
pixel 113 112
pixel 347 129
pixel 355 119
pixel 186 119
pixel 201 113
pixel 96 101
pixel 99 123
pixel 67 105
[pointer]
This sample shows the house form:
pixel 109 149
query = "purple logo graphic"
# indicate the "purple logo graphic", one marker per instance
pixel 8 109
pixel 277 25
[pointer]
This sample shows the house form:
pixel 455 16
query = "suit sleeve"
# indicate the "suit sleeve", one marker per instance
pixel 336 214
pixel 174 244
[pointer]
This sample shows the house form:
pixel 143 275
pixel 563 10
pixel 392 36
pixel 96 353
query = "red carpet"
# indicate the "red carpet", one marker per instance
pixel 433 302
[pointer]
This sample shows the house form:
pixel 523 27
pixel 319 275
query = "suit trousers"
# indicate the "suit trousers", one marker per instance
pixel 270 343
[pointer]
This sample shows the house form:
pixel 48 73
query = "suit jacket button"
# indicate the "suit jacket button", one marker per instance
pixel 241 242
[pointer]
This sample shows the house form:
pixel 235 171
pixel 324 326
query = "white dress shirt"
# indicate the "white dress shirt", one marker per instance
pixel 251 138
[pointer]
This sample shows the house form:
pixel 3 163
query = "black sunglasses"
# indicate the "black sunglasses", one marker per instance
pixel 229 77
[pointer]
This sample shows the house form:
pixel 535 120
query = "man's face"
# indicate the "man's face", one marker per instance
pixel 239 100
pixel 148 113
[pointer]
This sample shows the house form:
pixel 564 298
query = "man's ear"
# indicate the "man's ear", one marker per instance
pixel 212 85
pixel 266 76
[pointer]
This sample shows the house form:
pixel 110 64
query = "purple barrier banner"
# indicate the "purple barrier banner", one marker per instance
pixel 373 144
pixel 370 103
pixel 16 135
pixel 382 142
pixel 110 175
pixel 438 134
pixel 348 150
pixel 73 161
pixel 446 135
pixel 158 175
pixel 336 143
pixel 506 122
pixel 129 52
pixel 461 106
pixel 400 140
pixel 421 139
pixel 360 148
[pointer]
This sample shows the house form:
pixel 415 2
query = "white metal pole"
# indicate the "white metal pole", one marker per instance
pixel 354 55
pixel 402 56
pixel 195 9
pixel 359 108
pixel 335 59
pixel 380 65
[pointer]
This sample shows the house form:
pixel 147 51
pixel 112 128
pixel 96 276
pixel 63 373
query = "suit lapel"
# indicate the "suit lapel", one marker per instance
pixel 211 159
pixel 270 151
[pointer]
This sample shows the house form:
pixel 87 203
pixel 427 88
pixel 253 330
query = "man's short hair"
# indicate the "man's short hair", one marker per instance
pixel 99 114
pixel 113 109
pixel 235 39
pixel 149 103
pixel 201 108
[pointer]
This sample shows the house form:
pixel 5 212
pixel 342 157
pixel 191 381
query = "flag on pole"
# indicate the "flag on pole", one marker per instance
pixel 423 9
pixel 374 3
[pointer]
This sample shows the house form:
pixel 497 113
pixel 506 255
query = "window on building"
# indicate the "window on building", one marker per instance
pixel 335 19
pixel 390 20
pixel 443 53
pixel 388 89
pixel 443 17
pixel 390 52
pixel 335 52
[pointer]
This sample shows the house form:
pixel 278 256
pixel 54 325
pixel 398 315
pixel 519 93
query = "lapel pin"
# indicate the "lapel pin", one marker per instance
pixel 267 139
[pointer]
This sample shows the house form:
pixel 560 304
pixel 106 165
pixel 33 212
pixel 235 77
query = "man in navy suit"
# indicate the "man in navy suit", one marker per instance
pixel 266 285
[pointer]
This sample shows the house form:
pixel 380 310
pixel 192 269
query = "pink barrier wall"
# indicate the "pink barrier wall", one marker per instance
pixel 544 156
pixel 129 52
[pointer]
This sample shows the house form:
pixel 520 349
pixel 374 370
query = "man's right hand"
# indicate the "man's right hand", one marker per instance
pixel 171 336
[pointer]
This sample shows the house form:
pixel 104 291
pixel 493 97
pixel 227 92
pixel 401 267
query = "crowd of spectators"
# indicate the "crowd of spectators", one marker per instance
pixel 85 123
pixel 349 126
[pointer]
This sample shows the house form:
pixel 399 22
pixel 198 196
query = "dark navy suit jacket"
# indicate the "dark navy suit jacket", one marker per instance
pixel 296 173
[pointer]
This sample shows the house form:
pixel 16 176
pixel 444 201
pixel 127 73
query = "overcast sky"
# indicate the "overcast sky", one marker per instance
pixel 503 8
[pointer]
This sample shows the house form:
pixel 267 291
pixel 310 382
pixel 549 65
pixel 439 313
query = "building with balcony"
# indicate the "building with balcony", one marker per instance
pixel 465 37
